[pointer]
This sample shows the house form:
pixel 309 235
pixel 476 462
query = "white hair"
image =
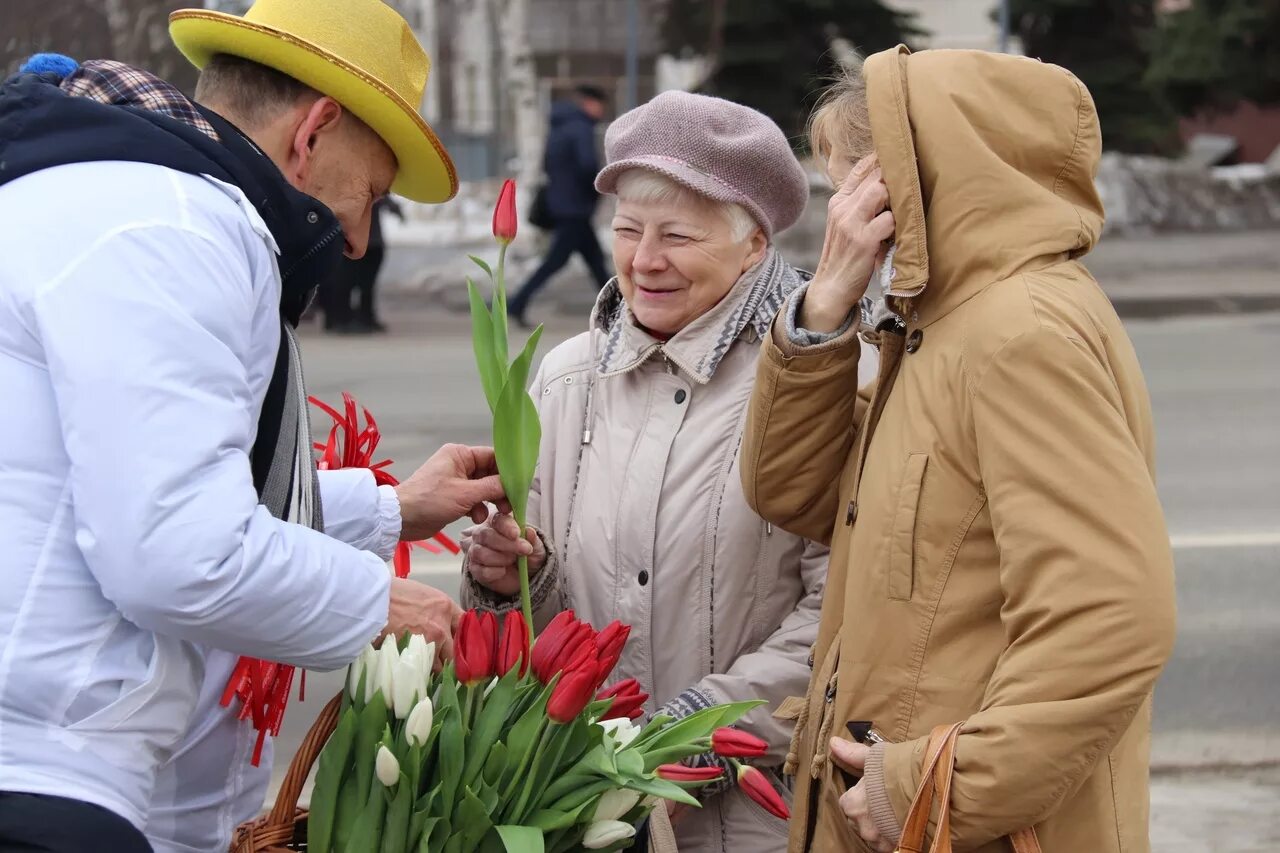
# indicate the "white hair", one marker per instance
pixel 646 186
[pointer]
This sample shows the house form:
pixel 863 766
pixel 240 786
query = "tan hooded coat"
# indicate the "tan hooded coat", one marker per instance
pixel 999 555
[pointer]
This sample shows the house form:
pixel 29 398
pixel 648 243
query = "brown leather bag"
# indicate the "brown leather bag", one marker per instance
pixel 939 767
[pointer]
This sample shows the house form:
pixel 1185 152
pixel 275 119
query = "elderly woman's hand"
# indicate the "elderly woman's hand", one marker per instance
pixel 858 224
pixel 492 549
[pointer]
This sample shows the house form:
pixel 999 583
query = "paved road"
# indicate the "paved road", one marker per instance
pixel 1215 386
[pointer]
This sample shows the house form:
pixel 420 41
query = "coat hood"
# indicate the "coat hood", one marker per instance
pixel 990 162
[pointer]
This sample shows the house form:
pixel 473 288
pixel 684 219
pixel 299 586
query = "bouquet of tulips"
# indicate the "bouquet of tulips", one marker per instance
pixel 516 745
pixel 512 747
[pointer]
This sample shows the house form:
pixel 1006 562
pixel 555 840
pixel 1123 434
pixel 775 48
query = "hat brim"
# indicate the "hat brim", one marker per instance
pixel 425 172
pixel 686 176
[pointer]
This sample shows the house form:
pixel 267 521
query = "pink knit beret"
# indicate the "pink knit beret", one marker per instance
pixel 718 149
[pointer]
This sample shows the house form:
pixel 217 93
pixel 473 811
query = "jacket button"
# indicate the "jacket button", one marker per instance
pixel 313 217
pixel 680 396
pixel 913 342
pixel 851 514
pixel 643 577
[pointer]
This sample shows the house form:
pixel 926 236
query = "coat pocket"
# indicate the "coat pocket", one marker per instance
pixel 902 535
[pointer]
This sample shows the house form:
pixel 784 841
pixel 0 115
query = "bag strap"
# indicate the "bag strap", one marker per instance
pixel 939 770
pixel 662 837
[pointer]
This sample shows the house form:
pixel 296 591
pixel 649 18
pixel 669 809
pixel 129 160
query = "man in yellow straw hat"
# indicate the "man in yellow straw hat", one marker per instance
pixel 159 505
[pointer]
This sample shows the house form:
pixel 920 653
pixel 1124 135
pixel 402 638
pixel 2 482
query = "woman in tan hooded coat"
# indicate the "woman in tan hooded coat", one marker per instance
pixel 999 557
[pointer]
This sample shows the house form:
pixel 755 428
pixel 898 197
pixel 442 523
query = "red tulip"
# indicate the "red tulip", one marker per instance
pixel 557 646
pixel 504 213
pixel 735 743
pixel 572 692
pixel 684 773
pixel 475 648
pixel 754 784
pixel 628 700
pixel 514 649
pixel 609 643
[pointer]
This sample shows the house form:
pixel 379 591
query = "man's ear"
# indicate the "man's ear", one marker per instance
pixel 322 117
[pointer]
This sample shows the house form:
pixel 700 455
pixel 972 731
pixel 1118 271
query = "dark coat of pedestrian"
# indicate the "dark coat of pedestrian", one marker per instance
pixel 570 162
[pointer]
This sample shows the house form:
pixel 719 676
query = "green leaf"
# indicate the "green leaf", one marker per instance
pixel 350 803
pixel 474 819
pixel 366 835
pixel 516 436
pixel 567 784
pixel 521 839
pixel 373 721
pixel 451 755
pixel 480 262
pixel 396 829
pixel 424 844
pixel 488 726
pixel 631 763
pixel 496 766
pixel 662 788
pixel 584 796
pixel 696 726
pixel 668 755
pixel 334 761
pixel 493 373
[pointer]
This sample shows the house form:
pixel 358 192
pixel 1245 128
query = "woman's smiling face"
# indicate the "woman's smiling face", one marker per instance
pixel 677 258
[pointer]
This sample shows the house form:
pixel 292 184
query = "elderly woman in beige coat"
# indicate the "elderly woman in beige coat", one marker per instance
pixel 637 511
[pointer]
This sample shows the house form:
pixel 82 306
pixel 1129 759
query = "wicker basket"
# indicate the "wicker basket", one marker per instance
pixel 284 828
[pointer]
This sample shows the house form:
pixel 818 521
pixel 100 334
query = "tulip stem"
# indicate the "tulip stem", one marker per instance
pixel 526 604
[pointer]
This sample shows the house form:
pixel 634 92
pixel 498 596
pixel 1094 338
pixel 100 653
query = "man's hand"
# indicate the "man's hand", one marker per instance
pixel 492 549
pixel 853 757
pixel 453 483
pixel 858 224
pixel 421 609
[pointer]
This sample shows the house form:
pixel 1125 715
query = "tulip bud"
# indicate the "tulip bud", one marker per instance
pixel 504 213
pixel 363 665
pixel 572 692
pixel 387 766
pixel 606 833
pixel 616 803
pixel 384 677
pixel 754 784
pixel 627 700
pixel 685 773
pixel 418 727
pixel 406 687
pixel 622 730
pixel 735 743
pixel 514 649
pixel 475 648
pixel 609 643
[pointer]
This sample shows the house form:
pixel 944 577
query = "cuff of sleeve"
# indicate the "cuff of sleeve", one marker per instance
pixel 389 522
pixel 802 337
pixel 804 343
pixel 878 797
pixel 541 587
pixel 687 703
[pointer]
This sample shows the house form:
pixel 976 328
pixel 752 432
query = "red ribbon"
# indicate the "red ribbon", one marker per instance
pixel 261 686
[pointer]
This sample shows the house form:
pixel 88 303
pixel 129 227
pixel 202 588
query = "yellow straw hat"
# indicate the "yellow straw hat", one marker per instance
pixel 361 53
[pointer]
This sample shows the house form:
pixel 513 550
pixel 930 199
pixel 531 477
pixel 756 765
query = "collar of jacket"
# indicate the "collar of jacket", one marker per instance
pixel 990 161
pixel 697 349
pixel 41 127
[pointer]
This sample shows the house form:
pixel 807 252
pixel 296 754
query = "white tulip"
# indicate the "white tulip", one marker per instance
pixel 405 688
pixel 388 656
pixel 606 833
pixel 622 730
pixel 362 665
pixel 616 803
pixel 418 645
pixel 387 766
pixel 418 727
